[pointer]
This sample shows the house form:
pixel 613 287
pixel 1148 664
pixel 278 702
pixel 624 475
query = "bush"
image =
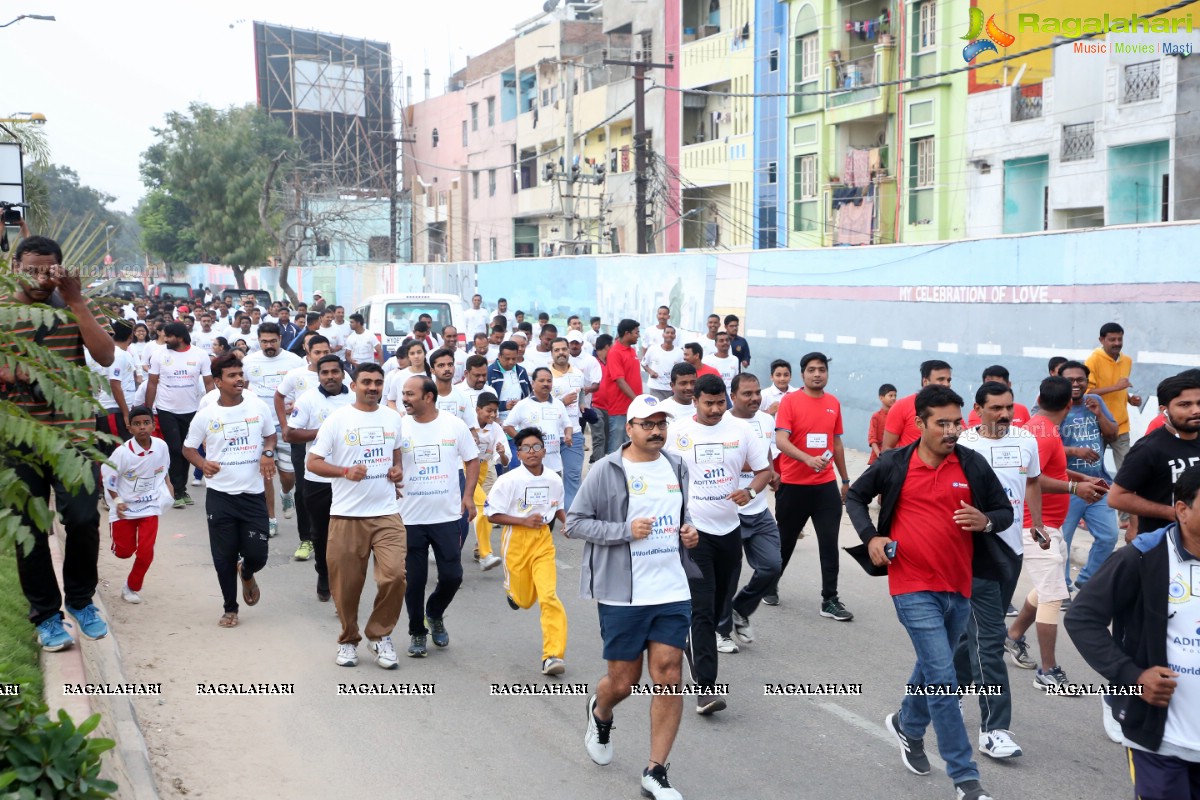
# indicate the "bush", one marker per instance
pixel 44 758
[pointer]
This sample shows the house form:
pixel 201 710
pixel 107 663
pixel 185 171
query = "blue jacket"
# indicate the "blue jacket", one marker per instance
pixel 495 380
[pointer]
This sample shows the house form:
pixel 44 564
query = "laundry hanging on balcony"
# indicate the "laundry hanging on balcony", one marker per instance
pixel 865 29
pixel 848 195
pixel 855 223
pixel 856 170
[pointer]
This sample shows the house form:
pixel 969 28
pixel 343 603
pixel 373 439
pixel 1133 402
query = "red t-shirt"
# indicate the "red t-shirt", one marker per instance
pixel 875 431
pixel 1020 417
pixel 902 420
pixel 1159 421
pixel 933 554
pixel 600 396
pixel 705 369
pixel 1053 460
pixel 812 423
pixel 622 363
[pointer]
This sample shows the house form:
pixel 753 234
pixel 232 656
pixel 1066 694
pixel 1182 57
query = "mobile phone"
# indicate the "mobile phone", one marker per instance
pixel 1104 483
pixel 827 455
pixel 889 549
pixel 1039 537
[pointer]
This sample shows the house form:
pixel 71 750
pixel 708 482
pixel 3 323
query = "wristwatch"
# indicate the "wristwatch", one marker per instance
pixel 989 527
pixel 269 453
pixel 753 494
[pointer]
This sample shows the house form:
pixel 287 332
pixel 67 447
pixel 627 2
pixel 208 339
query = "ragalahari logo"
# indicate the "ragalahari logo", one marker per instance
pixel 995 36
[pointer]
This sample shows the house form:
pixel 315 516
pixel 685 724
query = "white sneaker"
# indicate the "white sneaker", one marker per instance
pixel 197 481
pixel 490 561
pixel 742 629
pixel 596 737
pixel 553 666
pixel 998 744
pixel 385 653
pixel 347 655
pixel 726 645
pixel 129 595
pixel 289 504
pixel 272 528
pixel 1112 728
pixel 656 785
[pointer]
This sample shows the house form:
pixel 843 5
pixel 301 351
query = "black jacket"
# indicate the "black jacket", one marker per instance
pixel 1130 592
pixel 993 559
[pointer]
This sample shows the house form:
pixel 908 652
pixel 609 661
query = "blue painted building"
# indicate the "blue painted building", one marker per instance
pixel 770 146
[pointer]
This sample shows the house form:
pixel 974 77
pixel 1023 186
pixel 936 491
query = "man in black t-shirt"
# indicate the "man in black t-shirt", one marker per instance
pixel 1147 477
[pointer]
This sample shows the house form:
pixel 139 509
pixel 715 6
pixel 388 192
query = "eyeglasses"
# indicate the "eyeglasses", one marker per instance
pixel 530 448
pixel 646 425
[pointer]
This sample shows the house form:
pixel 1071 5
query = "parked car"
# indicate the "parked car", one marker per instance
pixel 130 290
pixel 391 316
pixel 263 298
pixel 176 290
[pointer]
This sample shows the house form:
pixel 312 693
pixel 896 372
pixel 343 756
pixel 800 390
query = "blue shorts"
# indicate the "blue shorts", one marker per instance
pixel 628 630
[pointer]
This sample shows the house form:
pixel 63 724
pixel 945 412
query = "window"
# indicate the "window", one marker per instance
pixel 492 249
pixel 377 248
pixel 804 134
pixel 773 59
pixel 920 113
pixel 474 116
pixel 464 133
pixel 491 183
pixel 923 163
pixel 927 24
pixel 491 111
pixel 435 137
pixel 475 250
pixel 810 65
pixel 322 248
pixel 772 171
pixel 806 178
pixel 399 318
pixel 474 185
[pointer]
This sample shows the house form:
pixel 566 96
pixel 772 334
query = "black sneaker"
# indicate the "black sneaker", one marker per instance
pixel 771 599
pixel 656 785
pixel 416 647
pixel 512 603
pixel 912 751
pixel 708 704
pixel 322 595
pixel 1012 611
pixel 437 632
pixel 970 790
pixel 834 609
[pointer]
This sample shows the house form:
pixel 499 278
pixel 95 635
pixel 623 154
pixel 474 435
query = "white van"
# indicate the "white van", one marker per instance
pixel 391 316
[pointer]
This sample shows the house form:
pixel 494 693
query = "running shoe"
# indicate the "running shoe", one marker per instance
pixel 385 653
pixel 52 636
pixel 970 790
pixel 725 644
pixel 304 552
pixel 289 505
pixel 129 595
pixel 179 502
pixel 437 632
pixel 1112 726
pixel 1019 650
pixel 834 609
pixel 553 666
pixel 1051 677
pixel 771 599
pixel 272 528
pixel 490 561
pixel 197 481
pixel 1012 611
pixel 597 736
pixel 187 500
pixel 416 646
pixel 998 744
pixel 656 785
pixel 347 655
pixel 912 751
pixel 708 704
pixel 91 625
pixel 742 628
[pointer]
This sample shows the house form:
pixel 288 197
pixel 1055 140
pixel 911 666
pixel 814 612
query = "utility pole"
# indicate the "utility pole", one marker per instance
pixel 640 145
pixel 569 154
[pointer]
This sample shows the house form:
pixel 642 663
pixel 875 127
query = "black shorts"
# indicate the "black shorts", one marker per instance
pixel 628 630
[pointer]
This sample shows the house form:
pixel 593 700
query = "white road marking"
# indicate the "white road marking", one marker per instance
pixel 1174 359
pixel 874 729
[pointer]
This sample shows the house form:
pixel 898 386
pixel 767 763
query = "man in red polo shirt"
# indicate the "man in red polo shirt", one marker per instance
pixel 621 383
pixel 999 374
pixel 901 427
pixel 693 354
pixel 940 501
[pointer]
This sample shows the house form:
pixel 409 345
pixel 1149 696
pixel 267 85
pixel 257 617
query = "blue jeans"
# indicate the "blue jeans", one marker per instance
pixel 572 459
pixel 1102 524
pixel 614 433
pixel 935 621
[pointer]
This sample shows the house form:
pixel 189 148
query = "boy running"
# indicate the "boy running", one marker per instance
pixel 493 444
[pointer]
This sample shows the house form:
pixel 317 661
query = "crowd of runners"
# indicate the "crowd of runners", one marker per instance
pixel 404 457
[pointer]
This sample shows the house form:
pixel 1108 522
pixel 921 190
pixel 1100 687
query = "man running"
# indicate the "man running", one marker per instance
pixel 176 372
pixel 901 428
pixel 568 390
pixel 658 361
pixel 632 513
pixel 238 436
pixel 545 412
pixel 434 445
pixel 681 403
pixel 358 449
pixel 622 382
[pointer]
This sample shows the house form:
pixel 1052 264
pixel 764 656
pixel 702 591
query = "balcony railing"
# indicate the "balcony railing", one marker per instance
pixel 1025 106
pixel 1141 82
pixel 1079 141
pixel 850 76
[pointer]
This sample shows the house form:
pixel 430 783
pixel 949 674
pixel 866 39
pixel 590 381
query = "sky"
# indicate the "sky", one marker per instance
pixel 104 74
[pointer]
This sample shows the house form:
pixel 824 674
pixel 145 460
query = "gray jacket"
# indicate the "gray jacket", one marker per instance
pixel 598 516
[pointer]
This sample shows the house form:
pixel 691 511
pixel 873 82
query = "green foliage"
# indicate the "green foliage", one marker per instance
pixel 19 650
pixel 205 175
pixel 40 757
pixel 72 206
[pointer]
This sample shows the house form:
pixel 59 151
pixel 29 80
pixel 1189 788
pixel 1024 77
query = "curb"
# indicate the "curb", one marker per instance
pixel 128 763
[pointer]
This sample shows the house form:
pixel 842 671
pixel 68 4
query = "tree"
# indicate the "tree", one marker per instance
pixel 205 175
pixel 70 205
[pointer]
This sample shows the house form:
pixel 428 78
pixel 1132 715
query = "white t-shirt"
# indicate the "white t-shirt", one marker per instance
pixel 550 418
pixel 658 575
pixel 772 395
pixel 337 339
pixel 460 365
pixel 592 371
pixel 265 375
pixel 472 395
pixel 1182 727
pixel 433 452
pixel 459 405
pixel 1014 459
pixel 393 386
pixel 297 382
pixel 233 437
pixel 148 351
pixel 124 370
pixel 181 376
pixel 763 426
pixel 661 362
pixel 651 337
pixel 491 439
pixel 589 338
pixel 727 366
pixel 565 384
pixel 116 371
pixel 311 409
pixel 204 341
pixel 535 359
pixel 475 320
pixel 676 411
pixel 708 345
pixel 361 346
pixel 139 478
pixel 349 437
pixel 714 456
pixel 519 493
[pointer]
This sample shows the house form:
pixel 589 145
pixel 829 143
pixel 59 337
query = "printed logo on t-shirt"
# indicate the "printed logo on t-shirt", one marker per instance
pixel 683 442
pixel 637 485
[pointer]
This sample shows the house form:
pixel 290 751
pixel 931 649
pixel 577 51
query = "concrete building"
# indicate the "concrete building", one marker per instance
pixel 1106 140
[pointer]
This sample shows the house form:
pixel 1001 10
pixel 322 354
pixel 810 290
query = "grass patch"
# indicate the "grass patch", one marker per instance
pixel 19 649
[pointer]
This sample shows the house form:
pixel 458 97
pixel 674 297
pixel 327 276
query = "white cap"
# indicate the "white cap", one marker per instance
pixel 645 405
pixel 574 336
pixel 515 334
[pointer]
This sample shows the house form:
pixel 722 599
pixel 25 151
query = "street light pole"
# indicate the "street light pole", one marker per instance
pixel 43 17
pixel 108 260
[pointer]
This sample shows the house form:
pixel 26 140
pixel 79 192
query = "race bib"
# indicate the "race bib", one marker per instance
pixel 370 437
pixel 235 430
pixel 550 414
pixel 272 381
pixel 576 381
pixel 144 485
pixel 428 454
pixel 815 441
pixel 1006 457
pixel 757 428
pixel 537 496
pixel 709 453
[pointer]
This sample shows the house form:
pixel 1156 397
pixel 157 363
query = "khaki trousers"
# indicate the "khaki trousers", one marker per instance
pixel 352 541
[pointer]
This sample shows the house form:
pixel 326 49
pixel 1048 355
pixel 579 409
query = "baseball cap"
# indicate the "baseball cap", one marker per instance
pixel 184 309
pixel 574 336
pixel 646 405
pixel 316 295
